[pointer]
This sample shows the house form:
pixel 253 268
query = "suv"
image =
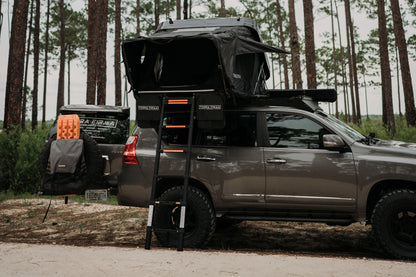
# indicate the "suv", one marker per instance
pixel 271 154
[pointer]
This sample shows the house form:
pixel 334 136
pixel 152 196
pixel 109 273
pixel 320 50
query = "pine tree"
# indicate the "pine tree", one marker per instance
pixel 36 51
pixel 60 97
pixel 294 46
pixel 15 66
pixel 388 115
pixel 309 44
pixel 404 63
pixel 117 59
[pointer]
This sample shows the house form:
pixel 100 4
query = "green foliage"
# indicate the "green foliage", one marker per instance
pixel 19 159
pixel 375 124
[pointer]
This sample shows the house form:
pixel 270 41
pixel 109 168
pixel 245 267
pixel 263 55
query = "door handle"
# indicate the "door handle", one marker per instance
pixel 276 161
pixel 205 158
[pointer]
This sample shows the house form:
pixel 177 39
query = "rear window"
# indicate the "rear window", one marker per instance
pixel 105 128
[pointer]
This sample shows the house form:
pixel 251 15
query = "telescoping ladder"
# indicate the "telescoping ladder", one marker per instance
pixel 167 102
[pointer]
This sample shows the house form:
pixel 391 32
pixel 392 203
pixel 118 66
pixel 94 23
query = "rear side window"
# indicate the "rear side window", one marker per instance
pixel 240 130
pixel 294 131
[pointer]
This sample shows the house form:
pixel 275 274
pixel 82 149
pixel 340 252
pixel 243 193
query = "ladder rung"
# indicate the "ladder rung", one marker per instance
pixel 167 203
pixel 172 151
pixel 178 102
pixel 176 126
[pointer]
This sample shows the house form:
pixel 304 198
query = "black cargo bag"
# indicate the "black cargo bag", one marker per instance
pixel 66 168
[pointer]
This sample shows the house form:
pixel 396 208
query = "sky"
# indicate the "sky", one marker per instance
pixel 78 71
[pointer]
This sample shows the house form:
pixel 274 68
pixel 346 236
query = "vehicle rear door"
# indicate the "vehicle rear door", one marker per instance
pixel 230 161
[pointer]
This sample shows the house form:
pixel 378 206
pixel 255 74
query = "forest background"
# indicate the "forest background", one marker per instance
pixel 363 15
pixel 365 49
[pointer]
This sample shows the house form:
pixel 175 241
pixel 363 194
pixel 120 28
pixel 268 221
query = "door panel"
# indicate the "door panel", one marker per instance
pixel 300 174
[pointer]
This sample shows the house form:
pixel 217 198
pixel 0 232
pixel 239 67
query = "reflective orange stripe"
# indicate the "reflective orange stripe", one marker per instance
pixel 175 126
pixel 178 101
pixel 173 151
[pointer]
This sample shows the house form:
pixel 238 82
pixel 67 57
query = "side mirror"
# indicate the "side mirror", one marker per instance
pixel 333 142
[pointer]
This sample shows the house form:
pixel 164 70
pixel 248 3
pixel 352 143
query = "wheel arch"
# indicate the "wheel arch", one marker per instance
pixel 167 183
pixel 381 188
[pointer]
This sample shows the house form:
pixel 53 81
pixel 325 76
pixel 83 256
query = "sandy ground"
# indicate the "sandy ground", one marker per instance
pixel 57 260
pixel 108 240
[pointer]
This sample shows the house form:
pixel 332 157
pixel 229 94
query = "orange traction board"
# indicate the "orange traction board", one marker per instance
pixel 68 127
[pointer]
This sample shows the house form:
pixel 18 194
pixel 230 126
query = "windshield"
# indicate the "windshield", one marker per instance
pixel 342 127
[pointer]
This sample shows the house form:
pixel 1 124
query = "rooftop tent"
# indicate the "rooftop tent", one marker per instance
pixel 221 54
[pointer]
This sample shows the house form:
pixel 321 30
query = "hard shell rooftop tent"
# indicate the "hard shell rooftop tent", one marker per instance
pixel 220 54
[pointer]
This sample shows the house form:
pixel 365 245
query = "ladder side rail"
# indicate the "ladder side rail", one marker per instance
pixel 186 177
pixel 154 181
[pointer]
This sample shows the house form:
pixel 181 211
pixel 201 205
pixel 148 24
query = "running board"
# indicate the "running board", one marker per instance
pixel 331 221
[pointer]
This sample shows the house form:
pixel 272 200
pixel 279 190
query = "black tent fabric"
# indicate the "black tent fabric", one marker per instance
pixel 194 57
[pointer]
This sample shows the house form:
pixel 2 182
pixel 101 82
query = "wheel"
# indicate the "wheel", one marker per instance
pixel 394 223
pixel 199 218
pixel 91 177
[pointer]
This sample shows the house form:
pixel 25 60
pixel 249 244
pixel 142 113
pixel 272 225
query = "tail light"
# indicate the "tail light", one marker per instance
pixel 129 155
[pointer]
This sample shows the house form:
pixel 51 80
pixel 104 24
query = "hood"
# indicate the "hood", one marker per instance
pixel 193 56
pixel 397 144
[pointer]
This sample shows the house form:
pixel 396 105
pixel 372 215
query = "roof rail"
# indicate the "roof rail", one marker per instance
pixel 318 95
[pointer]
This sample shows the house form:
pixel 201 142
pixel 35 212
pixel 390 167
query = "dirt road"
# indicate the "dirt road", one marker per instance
pixel 108 240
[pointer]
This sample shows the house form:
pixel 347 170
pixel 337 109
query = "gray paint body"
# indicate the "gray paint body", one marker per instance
pixel 284 182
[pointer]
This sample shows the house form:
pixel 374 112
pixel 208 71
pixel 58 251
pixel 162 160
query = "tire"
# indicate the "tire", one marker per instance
pixel 92 178
pixel 394 223
pixel 199 218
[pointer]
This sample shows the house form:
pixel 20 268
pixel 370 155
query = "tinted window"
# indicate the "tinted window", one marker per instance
pixel 239 130
pixel 294 131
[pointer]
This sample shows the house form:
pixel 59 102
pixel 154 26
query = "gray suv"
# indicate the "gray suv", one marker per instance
pixel 281 163
pixel 266 155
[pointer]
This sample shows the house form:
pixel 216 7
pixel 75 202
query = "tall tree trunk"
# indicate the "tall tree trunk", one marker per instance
pixel 350 67
pixel 294 46
pixel 350 29
pixel 36 67
pixel 309 44
pixel 1 18
pixel 25 92
pixel 388 115
pixel 222 9
pixel 102 52
pixel 190 8
pixel 334 59
pixel 46 63
pixel 185 9
pixel 282 43
pixel 138 18
pixel 15 67
pixel 117 59
pixel 92 52
pixel 404 64
pixel 61 80
pixel 397 81
pixel 69 74
pixel 157 13
pixel 344 86
pixel 178 9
